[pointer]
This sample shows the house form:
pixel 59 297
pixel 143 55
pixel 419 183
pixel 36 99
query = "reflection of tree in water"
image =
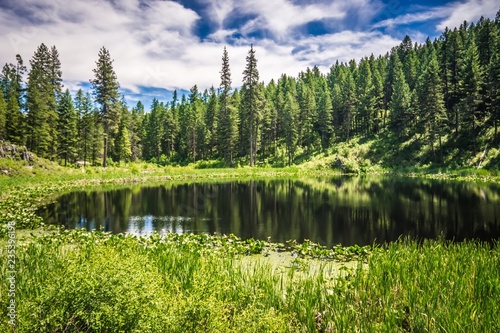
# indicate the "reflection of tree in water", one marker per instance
pixel 347 210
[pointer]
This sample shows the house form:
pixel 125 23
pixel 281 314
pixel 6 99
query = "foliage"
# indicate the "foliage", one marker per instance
pixel 189 282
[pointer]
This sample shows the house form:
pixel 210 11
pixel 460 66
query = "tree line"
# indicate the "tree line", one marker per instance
pixel 441 96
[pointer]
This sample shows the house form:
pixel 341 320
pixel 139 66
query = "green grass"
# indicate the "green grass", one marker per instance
pixel 94 282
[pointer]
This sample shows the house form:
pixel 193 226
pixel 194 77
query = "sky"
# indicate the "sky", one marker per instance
pixel 159 46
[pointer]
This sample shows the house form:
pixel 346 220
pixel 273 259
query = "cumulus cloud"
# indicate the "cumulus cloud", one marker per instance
pixel 469 11
pixel 156 43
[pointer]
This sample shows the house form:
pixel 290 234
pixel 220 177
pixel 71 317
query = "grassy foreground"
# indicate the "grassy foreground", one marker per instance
pixel 76 281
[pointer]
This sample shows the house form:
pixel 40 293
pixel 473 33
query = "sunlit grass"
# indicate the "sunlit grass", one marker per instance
pixel 95 282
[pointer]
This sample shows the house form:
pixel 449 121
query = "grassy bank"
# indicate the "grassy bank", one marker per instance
pixel 94 282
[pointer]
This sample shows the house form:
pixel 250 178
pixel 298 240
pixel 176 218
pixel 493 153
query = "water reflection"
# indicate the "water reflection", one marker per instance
pixel 346 210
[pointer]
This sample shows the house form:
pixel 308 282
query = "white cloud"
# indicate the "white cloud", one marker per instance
pixel 469 11
pixel 154 44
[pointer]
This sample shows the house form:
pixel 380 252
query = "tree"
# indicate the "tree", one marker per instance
pixel 135 130
pixel 3 115
pixel 494 84
pixel 251 100
pixel 122 145
pixel 44 90
pixel 193 122
pixel 451 58
pixel 366 106
pixel 399 105
pixel 225 129
pixel 429 90
pixel 211 124
pixel 85 124
pixel 307 114
pixel 290 125
pixel 11 80
pixel 105 87
pixel 67 129
pixel 325 118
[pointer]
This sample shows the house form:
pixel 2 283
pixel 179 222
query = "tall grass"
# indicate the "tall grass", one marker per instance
pixel 94 282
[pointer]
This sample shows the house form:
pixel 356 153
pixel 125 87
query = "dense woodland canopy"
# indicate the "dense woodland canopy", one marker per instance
pixel 437 103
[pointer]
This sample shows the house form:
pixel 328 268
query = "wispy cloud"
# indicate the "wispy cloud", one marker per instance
pixel 430 14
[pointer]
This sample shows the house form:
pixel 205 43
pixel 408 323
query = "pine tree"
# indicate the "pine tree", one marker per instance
pixel 123 151
pixel 325 118
pixel 83 108
pixel 378 94
pixel 431 102
pixel 494 83
pixel 211 123
pixel 44 90
pixel 224 135
pixel 269 119
pixel 451 58
pixel 67 129
pixel 105 86
pixel 3 116
pixel 11 80
pixel 366 105
pixel 135 130
pixel 153 125
pixel 193 122
pixel 399 105
pixel 290 125
pixel 251 101
pixel 349 104
pixel 307 114
pixel 470 86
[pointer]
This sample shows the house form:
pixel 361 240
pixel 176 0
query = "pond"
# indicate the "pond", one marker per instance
pixel 334 210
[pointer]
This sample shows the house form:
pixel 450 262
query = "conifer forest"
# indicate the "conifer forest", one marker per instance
pixel 436 103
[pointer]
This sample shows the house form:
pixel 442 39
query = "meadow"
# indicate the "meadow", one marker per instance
pixel 78 281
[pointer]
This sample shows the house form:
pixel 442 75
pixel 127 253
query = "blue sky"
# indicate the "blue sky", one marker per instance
pixel 159 46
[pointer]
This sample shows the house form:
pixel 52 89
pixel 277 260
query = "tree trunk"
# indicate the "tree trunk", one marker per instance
pixel 251 138
pixel 105 155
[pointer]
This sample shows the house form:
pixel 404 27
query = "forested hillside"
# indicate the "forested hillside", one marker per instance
pixel 431 104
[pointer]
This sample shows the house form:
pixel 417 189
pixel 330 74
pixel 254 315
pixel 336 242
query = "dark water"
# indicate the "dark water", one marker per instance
pixel 356 210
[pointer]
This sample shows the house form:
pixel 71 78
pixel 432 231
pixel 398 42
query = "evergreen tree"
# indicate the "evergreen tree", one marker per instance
pixel 451 58
pixel 349 104
pixel 366 105
pixel 67 129
pixel 171 129
pixel 153 124
pixel 193 122
pixel 11 80
pixel 431 102
pixel 211 117
pixel 3 116
pixel 225 129
pixel 378 94
pixel 96 134
pixel 44 89
pixel 269 119
pixel 123 151
pixel 494 84
pixel 105 86
pixel 83 108
pixel 251 101
pixel 135 130
pixel 470 86
pixel 307 114
pixel 400 101
pixel 290 125
pixel 325 118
